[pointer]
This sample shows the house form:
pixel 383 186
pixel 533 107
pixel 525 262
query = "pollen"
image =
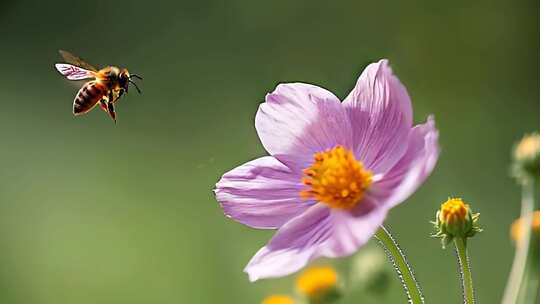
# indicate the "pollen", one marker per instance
pixel 336 178
pixel 453 211
pixel 316 282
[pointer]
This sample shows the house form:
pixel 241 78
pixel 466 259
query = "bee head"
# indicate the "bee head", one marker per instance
pixel 126 79
pixel 123 79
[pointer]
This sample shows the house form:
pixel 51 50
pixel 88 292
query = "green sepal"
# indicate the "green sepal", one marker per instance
pixel 447 234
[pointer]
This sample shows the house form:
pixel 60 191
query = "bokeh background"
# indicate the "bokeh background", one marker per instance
pixel 92 212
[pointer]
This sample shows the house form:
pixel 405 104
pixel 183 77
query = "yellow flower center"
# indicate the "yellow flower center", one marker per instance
pixel 336 178
pixel 453 210
pixel 317 281
pixel 278 299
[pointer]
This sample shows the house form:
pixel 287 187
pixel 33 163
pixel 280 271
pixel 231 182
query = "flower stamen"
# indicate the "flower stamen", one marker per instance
pixel 336 178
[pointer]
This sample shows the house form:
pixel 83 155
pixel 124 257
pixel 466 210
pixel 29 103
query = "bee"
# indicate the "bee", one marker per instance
pixel 106 87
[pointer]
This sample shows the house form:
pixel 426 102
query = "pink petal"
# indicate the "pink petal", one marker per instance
pixel 353 229
pixel 293 246
pixel 413 168
pixel 262 193
pixel 380 112
pixel 319 232
pixel 300 119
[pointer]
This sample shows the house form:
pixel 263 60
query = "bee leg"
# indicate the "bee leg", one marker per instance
pixel 110 107
pixel 103 104
pixel 110 110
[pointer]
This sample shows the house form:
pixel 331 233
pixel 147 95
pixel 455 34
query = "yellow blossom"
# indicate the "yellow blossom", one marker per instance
pixel 317 282
pixel 278 299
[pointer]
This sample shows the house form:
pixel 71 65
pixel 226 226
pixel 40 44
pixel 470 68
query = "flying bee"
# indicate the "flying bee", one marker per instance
pixel 106 88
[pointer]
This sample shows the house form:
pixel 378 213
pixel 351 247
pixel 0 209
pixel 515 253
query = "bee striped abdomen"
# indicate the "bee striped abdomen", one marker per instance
pixel 88 96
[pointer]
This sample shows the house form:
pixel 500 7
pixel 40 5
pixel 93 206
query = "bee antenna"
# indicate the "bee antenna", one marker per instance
pixel 136 87
pixel 136 76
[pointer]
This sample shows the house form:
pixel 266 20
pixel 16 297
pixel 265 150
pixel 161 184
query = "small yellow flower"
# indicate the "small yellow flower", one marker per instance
pixel 517 229
pixel 455 220
pixel 278 299
pixel 317 282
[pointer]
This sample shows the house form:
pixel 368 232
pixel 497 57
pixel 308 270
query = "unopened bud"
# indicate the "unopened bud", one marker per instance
pixel 517 231
pixel 527 156
pixel 455 220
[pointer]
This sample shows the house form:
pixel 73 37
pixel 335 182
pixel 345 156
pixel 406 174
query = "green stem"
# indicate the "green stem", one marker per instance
pixel 404 271
pixel 517 273
pixel 529 288
pixel 465 270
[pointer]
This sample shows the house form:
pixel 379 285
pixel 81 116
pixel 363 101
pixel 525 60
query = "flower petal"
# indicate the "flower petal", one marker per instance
pixel 353 229
pixel 293 246
pixel 262 193
pixel 300 119
pixel 319 232
pixel 380 112
pixel 413 168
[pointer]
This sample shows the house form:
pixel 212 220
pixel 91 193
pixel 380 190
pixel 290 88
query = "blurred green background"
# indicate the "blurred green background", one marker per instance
pixel 93 213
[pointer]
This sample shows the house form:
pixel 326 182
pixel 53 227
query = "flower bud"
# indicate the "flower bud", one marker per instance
pixel 517 230
pixel 319 284
pixel 527 156
pixel 278 299
pixel 455 220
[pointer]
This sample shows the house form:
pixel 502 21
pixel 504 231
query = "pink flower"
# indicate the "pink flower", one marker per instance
pixel 335 170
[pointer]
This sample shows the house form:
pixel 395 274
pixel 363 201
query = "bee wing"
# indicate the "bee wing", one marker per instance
pixel 72 72
pixel 72 59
